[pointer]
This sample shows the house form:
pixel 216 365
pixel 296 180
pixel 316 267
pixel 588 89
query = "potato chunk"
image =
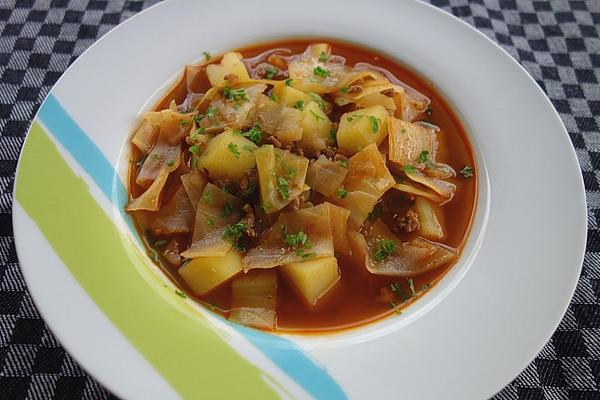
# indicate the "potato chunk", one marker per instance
pixel 253 299
pixel 428 218
pixel 228 155
pixel 313 278
pixel 230 64
pixel 290 97
pixel 360 128
pixel 203 274
pixel 316 129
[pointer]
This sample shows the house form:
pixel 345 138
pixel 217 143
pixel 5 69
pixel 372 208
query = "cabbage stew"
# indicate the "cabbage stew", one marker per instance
pixel 301 185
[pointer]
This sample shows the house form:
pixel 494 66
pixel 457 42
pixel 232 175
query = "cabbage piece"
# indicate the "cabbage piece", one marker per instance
pixel 238 104
pixel 368 173
pixel 150 199
pixel 171 253
pixel 254 298
pixel 368 94
pixel 406 188
pixel 316 129
pixel 176 216
pixel 296 236
pixel 382 253
pixel 285 123
pixel 443 188
pixel 408 141
pixel 360 204
pixel 163 156
pixel 145 136
pixel 231 64
pixel 440 171
pixel 429 219
pixel 194 184
pixel 338 217
pixel 325 176
pixel 215 211
pixel 281 177
pixel 173 125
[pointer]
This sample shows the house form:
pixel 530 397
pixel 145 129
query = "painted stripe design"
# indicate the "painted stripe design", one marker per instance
pixel 284 353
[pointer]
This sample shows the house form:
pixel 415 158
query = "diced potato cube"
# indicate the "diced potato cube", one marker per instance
pixel 228 155
pixel 230 64
pixel 313 278
pixel 289 96
pixel 203 274
pixel 360 128
pixel 316 129
pixel 254 297
pixel 428 218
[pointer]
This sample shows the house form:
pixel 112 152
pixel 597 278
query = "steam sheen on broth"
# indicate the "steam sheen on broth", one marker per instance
pixel 302 185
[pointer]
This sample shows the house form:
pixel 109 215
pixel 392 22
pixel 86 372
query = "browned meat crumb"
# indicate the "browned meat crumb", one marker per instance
pixel 330 152
pixel 226 184
pixel 294 204
pixel 388 92
pixel 273 140
pixel 407 223
pixel 354 89
pixel 248 220
pixel 231 77
pixel 295 149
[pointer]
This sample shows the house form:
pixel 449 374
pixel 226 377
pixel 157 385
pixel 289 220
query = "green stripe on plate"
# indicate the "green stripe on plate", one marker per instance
pixel 183 347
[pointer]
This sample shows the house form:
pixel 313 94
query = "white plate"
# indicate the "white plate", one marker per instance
pixel 482 333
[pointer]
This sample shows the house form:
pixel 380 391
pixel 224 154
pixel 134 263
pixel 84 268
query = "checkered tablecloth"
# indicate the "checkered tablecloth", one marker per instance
pixel 557 41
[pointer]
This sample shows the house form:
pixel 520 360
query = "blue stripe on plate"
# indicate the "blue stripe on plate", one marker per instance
pixel 281 351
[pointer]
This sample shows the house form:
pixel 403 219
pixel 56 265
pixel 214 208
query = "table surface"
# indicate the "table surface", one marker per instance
pixel 557 41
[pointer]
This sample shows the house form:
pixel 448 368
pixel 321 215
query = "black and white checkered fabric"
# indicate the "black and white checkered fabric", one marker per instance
pixel 557 41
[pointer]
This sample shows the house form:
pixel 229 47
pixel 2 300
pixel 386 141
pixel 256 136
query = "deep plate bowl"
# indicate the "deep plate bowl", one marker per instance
pixel 119 316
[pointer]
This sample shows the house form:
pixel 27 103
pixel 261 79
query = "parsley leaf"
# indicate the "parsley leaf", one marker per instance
pixel 343 163
pixel 180 294
pixel 344 89
pixel 195 150
pixel 274 97
pixel 424 156
pixel 320 71
pixel 384 248
pixel 341 193
pixel 227 210
pixel 318 99
pixel 283 187
pixel 299 239
pixel 317 116
pixel 207 197
pixel 170 163
pixel 254 134
pixel 409 168
pixel 210 112
pixel 466 171
pixel 299 105
pixel 235 94
pixel 270 72
pixel 354 117
pixel 206 55
pixel 289 82
pixel 374 121
pixel 233 148
pixel 210 221
pixel 184 122
pixel 323 57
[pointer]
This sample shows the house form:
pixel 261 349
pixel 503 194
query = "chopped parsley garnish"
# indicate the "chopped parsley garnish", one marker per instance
pixel 206 55
pixel 184 122
pixel 210 112
pixel 207 197
pixel 395 307
pixel 180 294
pixel 198 118
pixel 424 156
pixel 321 72
pixel 274 97
pixel 384 248
pixel 290 172
pixel 289 82
pixel 197 132
pixel 234 231
pixel 155 156
pixel 354 117
pixel 318 99
pixel 270 72
pixel 306 256
pixel 374 121
pixel 341 193
pixel 299 105
pixel 227 210
pixel 376 213
pixel 251 189
pixel 409 168
pixel 343 163
pixel 233 148
pixel 466 171
pixel 235 94
pixel 323 57
pixel 170 163
pixel 317 116
pixel 299 239
pixel 195 150
pixel 248 148
pixel 210 221
pixel 283 187
pixel 426 286
pixel 344 89
pixel 254 134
